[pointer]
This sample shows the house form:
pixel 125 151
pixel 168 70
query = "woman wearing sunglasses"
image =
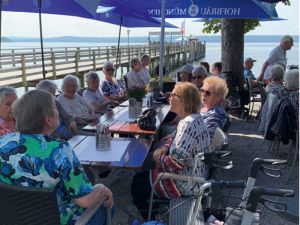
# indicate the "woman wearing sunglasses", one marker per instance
pixel 199 74
pixel 112 88
pixel 191 137
pixel 213 93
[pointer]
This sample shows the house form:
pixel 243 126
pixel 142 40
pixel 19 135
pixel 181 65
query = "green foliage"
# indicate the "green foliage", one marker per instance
pixel 137 92
pixel 214 25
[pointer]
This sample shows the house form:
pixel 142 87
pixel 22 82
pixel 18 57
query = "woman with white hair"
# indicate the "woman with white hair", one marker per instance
pixel 291 88
pixel 73 103
pixel 7 97
pixel 276 76
pixel 93 96
pixel 33 159
pixel 67 125
pixel 112 88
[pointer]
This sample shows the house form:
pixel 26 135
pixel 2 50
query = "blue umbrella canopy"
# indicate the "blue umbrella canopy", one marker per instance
pixel 199 8
pixel 80 8
pixel 127 18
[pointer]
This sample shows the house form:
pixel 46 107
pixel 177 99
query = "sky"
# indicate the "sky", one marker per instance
pixel 26 25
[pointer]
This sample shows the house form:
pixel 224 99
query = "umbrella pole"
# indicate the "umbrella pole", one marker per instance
pixel 162 44
pixel 0 29
pixel 118 49
pixel 41 38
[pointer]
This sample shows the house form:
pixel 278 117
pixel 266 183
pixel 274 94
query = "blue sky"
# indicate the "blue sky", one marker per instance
pixel 26 25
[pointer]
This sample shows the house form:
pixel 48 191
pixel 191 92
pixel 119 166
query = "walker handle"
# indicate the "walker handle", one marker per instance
pixel 275 172
pixel 258 162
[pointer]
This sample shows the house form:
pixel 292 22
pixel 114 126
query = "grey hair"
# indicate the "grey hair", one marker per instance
pixel 291 79
pixel 91 76
pixel 145 56
pixel 67 79
pixel 286 38
pixel 46 85
pixel 277 72
pixel 108 64
pixel 200 70
pixel 31 109
pixel 4 91
pixel 134 61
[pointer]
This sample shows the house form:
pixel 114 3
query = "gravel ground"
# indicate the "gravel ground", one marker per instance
pixel 246 144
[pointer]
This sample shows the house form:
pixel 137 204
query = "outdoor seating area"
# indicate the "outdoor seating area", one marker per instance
pixel 166 129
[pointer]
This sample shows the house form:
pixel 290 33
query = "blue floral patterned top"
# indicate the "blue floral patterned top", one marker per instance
pixel 112 89
pixel 36 160
pixel 213 118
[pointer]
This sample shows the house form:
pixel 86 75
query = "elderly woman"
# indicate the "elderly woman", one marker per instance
pixel 145 74
pixel 190 139
pixel 199 74
pixel 134 77
pixel 213 93
pixel 67 125
pixel 290 91
pixel 36 160
pixel 276 75
pixel 94 97
pixel 7 122
pixel 73 103
pixel 112 89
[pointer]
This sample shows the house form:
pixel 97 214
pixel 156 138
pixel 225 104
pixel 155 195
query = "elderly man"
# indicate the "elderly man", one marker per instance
pixel 248 65
pixel 7 122
pixel 186 73
pixel 277 56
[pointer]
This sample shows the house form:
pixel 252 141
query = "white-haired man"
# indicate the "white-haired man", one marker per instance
pixel 277 56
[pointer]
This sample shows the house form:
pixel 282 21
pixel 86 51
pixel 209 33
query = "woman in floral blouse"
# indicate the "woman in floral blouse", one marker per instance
pixel 30 157
pixel 191 138
pixel 112 89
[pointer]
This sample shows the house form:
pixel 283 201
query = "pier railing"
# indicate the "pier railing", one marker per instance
pixel 21 67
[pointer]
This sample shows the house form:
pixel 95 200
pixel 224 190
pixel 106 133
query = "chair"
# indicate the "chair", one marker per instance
pixel 80 91
pixel 220 140
pixel 253 95
pixel 35 206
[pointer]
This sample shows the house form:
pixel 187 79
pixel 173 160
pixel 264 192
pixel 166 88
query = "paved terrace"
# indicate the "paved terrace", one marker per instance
pixel 246 144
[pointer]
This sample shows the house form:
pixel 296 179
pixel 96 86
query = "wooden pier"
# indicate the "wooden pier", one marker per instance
pixel 22 67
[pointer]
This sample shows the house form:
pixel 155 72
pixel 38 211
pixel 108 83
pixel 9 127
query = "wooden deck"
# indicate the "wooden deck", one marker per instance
pixel 23 67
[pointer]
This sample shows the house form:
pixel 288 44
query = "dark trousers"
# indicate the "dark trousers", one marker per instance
pixel 140 191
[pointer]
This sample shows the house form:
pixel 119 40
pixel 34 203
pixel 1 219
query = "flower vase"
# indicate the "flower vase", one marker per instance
pixel 135 108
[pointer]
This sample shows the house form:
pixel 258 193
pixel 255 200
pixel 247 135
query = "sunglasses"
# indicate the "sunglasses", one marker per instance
pixel 206 92
pixel 110 69
pixel 197 77
pixel 174 95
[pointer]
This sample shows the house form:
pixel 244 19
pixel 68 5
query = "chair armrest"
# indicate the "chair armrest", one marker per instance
pixel 89 212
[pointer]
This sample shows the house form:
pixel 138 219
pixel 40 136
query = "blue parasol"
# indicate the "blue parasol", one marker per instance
pixel 231 9
pixel 80 8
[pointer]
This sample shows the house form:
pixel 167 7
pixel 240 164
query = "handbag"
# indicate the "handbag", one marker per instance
pixel 147 120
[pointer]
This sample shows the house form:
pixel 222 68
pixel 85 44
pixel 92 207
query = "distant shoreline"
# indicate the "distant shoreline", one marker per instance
pixel 144 39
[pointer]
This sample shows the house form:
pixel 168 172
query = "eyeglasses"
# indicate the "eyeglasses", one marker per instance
pixel 110 69
pixel 206 92
pixel 197 77
pixel 174 95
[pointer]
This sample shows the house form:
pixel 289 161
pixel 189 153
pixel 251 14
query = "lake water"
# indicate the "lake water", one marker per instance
pixel 258 51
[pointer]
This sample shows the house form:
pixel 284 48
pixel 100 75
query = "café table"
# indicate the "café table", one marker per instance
pixel 121 123
pixel 132 158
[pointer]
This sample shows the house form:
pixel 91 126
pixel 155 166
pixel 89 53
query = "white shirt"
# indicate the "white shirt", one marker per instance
pixel 277 56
